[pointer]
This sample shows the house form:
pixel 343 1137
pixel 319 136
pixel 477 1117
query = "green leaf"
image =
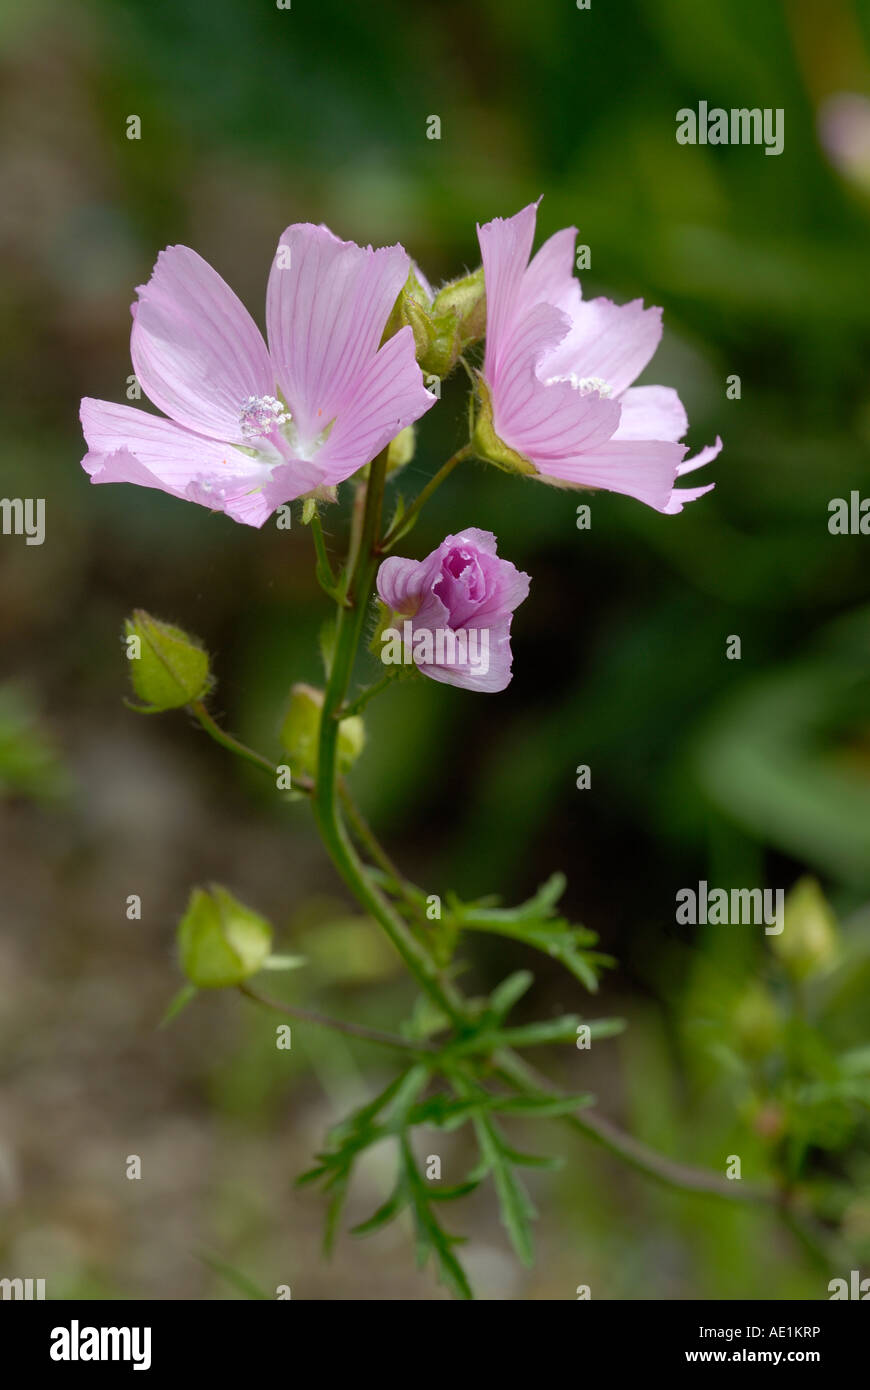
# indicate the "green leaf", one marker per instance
pixel 541 1107
pixel 384 1214
pixel 515 1204
pixel 505 996
pixel 178 1002
pixel 236 1277
pixel 452 1194
pixel 431 1238
pixel 534 923
pixel 524 1160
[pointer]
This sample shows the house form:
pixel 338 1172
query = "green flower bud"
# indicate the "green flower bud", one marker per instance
pixel 300 732
pixel 220 941
pixel 351 741
pixel 168 667
pixel 444 327
pixel 486 443
pixel 809 941
pixel 465 300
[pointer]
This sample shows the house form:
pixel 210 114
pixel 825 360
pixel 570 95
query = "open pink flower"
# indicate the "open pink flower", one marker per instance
pixel 558 371
pixel 230 442
pixel 453 611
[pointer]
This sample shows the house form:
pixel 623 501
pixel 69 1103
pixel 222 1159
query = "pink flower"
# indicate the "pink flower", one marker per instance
pixel 231 442
pixel 456 608
pixel 558 371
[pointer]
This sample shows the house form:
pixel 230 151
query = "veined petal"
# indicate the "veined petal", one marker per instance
pixel 702 457
pixel 196 350
pixel 130 446
pixel 550 276
pixel 641 468
pixel 613 342
pixel 499 659
pixel 651 412
pixel 550 423
pixel 505 246
pixel 326 307
pixel 681 495
pixel 386 395
pixel 402 584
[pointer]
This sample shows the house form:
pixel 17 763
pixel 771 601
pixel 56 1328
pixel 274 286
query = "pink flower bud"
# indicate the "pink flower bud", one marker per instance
pixel 452 611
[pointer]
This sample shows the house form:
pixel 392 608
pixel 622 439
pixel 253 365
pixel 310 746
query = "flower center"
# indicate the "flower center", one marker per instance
pixel 261 416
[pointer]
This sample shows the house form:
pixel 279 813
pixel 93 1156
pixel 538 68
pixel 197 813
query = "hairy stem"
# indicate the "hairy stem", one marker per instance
pixel 338 1025
pixel 241 750
pixel 214 730
pixel 349 628
pixel 404 523
pixel 632 1151
pixel 360 701
pixel 323 569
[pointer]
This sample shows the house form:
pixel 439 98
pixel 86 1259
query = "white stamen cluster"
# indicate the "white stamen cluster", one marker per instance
pixel 586 385
pixel 260 415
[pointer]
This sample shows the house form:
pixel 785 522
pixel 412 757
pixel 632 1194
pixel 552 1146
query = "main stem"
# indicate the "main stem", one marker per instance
pixel 362 564
pixel 349 629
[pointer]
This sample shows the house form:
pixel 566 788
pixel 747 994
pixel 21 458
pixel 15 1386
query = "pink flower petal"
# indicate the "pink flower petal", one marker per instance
pixel 196 350
pixel 651 412
pixel 550 278
pixel 644 469
pixel 387 395
pixel 681 495
pixel 402 583
pixel 703 456
pixel 607 340
pixel 130 446
pixel 327 304
pixel 550 424
pixel 496 678
pixel 505 246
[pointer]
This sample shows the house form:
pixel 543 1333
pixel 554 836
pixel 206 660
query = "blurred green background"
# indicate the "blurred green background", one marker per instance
pixel 749 772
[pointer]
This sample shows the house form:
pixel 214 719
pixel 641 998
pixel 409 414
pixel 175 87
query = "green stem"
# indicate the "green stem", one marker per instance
pixel 397 884
pixel 323 569
pixel 338 1025
pixel 349 628
pixel 679 1176
pixel 233 745
pixel 404 523
pixel 214 730
pixel 361 700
